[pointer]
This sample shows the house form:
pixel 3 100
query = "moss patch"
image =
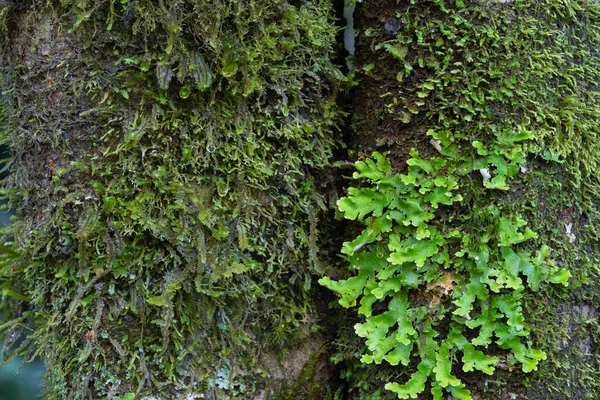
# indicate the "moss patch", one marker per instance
pixel 478 75
pixel 166 160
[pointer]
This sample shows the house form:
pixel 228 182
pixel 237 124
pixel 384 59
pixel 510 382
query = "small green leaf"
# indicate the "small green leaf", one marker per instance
pixel 443 368
pixel 410 212
pixel 375 226
pixel 377 330
pixel 475 359
pixel 80 166
pixel 561 277
pixel 401 354
pixel 145 66
pixel 375 169
pixel 128 396
pixel 184 92
pixel 414 386
pixel 161 301
pixel 99 187
pixel 361 202
pixel 413 250
pixel 481 150
pixel 460 393
pixel 399 53
pixel 220 232
pixel 429 165
pixel 509 234
pixel 229 69
pixel 109 203
pixel 510 306
pixel 486 323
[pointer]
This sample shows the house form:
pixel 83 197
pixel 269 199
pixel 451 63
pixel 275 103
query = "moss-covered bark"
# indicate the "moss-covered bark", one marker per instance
pixel 166 163
pixel 475 74
pixel 171 166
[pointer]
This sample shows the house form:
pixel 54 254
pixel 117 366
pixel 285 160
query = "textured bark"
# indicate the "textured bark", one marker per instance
pixel 172 173
pixel 559 200
pixel 166 168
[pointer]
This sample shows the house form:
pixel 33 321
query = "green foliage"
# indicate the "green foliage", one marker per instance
pixel 498 86
pixel 165 189
pixel 128 396
pixel 448 290
pixel 562 320
pixel 499 73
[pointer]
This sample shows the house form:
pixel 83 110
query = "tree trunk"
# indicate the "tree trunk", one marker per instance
pixel 167 166
pixel 456 80
pixel 174 178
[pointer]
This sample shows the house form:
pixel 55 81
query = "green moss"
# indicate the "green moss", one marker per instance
pixel 504 89
pixel 306 386
pixel 565 323
pixel 165 171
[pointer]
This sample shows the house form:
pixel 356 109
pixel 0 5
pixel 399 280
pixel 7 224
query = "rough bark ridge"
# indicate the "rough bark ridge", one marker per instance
pixel 166 159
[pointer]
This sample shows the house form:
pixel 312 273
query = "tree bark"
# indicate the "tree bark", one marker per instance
pixel 167 165
pixel 521 58
pixel 175 182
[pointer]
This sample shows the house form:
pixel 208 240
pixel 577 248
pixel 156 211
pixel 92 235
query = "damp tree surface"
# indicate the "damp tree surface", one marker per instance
pixel 208 205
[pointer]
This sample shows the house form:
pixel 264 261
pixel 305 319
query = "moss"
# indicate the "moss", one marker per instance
pixel 481 73
pixel 170 159
pixel 566 323
pixel 311 360
pixel 166 163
